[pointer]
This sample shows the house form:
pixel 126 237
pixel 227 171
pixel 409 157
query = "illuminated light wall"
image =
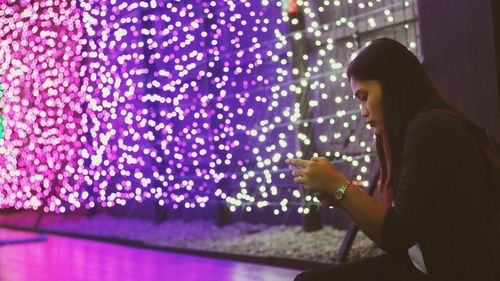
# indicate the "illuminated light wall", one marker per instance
pixel 175 90
pixel 187 103
pixel 39 72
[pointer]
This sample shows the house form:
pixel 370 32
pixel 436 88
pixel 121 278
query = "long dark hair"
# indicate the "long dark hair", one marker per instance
pixel 407 91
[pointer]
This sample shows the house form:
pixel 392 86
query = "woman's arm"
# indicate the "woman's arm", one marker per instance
pixel 367 213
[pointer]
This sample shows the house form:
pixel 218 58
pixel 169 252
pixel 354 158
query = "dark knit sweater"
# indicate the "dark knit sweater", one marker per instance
pixel 443 194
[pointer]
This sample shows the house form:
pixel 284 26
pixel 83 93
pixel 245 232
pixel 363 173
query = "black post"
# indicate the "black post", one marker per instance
pixel 160 212
pixel 223 215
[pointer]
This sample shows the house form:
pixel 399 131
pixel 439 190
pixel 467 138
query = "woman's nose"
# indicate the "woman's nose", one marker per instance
pixel 364 111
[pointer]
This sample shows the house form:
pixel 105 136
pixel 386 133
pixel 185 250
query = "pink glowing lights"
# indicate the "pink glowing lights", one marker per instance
pixel 40 62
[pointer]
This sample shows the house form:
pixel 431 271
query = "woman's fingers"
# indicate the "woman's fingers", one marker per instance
pixel 297 162
pixel 315 175
pixel 298 172
pixel 299 180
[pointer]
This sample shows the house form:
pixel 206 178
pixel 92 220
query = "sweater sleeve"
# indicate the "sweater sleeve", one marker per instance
pixel 428 163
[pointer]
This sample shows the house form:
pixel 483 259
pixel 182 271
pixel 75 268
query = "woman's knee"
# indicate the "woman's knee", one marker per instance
pixel 300 277
pixel 306 276
pixel 321 274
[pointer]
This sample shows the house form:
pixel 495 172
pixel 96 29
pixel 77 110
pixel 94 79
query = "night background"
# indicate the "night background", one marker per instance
pixel 166 124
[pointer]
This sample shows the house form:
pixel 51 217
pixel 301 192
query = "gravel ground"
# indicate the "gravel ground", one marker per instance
pixel 237 238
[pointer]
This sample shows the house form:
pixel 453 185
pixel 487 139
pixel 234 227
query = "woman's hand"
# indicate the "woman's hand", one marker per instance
pixel 322 179
pixel 317 175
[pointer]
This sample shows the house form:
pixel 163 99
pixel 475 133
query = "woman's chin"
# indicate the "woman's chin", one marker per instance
pixel 377 131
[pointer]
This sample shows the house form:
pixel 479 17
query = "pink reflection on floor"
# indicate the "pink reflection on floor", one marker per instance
pixel 63 258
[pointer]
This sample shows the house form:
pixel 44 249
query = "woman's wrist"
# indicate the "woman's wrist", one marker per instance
pixel 340 192
pixel 347 198
pixel 337 183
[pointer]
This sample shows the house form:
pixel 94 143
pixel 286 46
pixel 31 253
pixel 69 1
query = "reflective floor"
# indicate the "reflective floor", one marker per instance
pixel 27 256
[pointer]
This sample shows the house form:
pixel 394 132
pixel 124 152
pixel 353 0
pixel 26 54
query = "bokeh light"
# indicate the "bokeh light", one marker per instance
pixel 40 58
pixel 187 103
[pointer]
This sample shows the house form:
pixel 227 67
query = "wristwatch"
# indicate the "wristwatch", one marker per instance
pixel 340 193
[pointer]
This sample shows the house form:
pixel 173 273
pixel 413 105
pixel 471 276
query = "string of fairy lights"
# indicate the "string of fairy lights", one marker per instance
pixel 186 103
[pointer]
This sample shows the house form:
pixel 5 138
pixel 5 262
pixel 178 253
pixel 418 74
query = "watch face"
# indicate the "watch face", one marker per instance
pixel 339 194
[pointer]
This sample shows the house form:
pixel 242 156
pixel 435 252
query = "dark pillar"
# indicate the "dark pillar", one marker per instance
pixel 460 47
pixel 223 215
pixel 160 211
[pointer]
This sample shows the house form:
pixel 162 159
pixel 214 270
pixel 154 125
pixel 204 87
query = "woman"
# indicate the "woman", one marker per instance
pixel 436 185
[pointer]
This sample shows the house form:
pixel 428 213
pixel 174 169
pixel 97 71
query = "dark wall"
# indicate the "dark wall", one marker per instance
pixel 460 49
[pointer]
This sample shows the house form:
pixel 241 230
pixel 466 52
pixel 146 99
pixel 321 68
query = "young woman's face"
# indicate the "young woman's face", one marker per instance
pixel 369 95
